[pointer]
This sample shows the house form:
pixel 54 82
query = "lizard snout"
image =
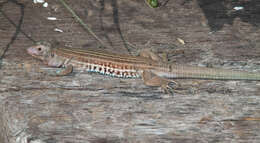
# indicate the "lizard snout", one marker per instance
pixel 33 51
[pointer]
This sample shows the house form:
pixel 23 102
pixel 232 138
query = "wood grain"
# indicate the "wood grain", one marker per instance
pixel 93 108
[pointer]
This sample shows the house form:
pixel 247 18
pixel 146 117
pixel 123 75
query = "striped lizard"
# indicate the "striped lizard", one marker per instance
pixel 147 66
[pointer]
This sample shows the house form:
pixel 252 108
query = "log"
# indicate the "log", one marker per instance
pixel 85 107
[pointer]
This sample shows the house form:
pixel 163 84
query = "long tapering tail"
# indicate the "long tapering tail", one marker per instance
pixel 184 71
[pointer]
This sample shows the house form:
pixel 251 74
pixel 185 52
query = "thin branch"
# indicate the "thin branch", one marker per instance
pixel 82 23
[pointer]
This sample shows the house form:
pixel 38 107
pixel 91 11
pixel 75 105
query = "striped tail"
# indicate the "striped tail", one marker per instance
pixel 180 71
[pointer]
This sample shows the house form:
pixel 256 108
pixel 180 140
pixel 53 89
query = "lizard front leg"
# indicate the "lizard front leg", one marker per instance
pixel 65 67
pixel 64 71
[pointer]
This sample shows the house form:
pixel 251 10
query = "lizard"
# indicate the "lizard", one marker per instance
pixel 147 66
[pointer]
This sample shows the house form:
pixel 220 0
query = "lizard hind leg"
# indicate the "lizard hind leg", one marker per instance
pixel 151 79
pixel 147 53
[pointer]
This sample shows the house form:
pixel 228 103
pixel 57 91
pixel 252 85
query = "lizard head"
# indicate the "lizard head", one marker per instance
pixel 42 50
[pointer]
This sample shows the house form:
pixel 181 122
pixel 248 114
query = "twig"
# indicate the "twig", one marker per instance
pixel 82 23
pixel 17 30
pixel 26 35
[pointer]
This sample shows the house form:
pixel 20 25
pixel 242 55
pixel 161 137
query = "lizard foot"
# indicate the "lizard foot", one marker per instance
pixel 169 87
pixel 66 71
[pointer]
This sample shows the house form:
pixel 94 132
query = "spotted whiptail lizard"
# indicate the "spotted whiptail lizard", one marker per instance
pixel 147 66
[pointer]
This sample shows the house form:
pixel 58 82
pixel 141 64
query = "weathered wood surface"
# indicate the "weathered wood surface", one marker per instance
pixel 35 107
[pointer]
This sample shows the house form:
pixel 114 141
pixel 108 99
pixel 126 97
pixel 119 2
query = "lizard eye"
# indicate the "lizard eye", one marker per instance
pixel 39 49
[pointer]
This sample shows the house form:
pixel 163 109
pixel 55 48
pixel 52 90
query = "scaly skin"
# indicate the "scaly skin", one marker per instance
pixel 93 60
pixel 134 66
pixel 152 71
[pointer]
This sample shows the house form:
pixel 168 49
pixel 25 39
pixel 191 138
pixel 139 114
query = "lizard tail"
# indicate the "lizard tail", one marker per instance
pixel 181 71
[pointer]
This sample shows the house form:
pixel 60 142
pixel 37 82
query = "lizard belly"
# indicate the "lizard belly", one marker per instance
pixel 105 70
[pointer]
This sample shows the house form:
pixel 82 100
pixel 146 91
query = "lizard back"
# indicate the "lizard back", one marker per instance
pixel 103 62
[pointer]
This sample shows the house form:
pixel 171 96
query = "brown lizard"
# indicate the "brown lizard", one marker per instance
pixel 147 66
